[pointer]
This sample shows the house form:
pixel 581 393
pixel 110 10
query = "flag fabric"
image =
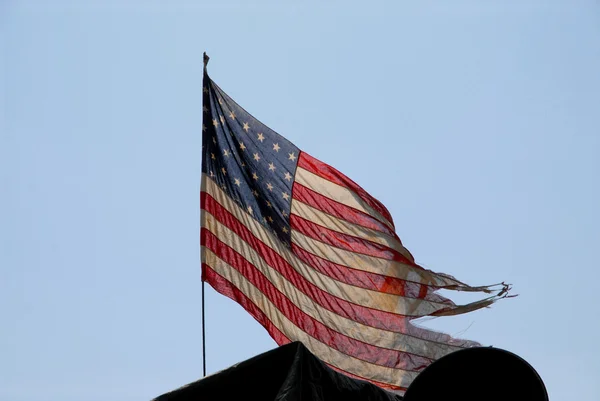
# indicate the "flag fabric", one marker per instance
pixel 312 256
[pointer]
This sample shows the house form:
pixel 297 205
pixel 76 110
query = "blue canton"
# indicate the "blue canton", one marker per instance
pixel 251 163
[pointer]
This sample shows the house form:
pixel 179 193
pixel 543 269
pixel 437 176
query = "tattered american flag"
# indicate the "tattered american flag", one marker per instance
pixel 312 256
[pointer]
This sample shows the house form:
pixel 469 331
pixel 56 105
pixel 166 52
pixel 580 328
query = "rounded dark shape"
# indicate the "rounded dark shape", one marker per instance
pixel 482 374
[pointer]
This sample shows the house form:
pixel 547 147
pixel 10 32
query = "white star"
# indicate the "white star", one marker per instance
pixel 261 137
pixel 246 127
pixel 255 176
pixel 250 209
pixel 237 182
pixel 270 219
pixel 203 128
pixel 232 115
pixel 292 156
pixel 225 153
pixel 215 122
pixel 255 192
pixel 269 186
pixel 243 164
pixel 242 146
pixel 271 167
pixel 205 89
pixel 204 109
pixel 212 156
pixel 265 219
pixel 269 204
pixel 276 147
pixel 220 101
pixel 222 119
pixel 285 195
pixel 212 174
pixel 285 230
pixel 224 171
pixel 256 157
pixel 288 176
pixel 284 213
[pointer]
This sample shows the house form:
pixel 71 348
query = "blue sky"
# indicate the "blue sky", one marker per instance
pixel 476 123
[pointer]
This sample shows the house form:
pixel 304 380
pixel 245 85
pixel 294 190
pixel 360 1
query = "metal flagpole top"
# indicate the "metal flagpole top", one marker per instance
pixel 206 58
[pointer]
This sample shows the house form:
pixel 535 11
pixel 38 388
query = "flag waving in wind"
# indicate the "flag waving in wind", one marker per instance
pixel 312 256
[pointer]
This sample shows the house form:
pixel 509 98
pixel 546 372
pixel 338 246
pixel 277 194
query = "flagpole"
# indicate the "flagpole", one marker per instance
pixel 205 59
pixel 203 336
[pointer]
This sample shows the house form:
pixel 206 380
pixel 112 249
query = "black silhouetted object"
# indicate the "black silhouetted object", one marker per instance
pixel 482 374
pixel 292 373
pixel 287 373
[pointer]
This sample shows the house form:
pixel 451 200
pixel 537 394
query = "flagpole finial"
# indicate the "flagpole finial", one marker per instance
pixel 206 58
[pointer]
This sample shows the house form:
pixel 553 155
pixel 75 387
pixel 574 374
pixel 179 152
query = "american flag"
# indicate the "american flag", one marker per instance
pixel 312 256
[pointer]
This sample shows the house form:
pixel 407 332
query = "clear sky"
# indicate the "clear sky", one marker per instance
pixel 477 123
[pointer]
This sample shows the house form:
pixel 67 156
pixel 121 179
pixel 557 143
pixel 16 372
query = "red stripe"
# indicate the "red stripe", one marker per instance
pixel 221 285
pixel 349 346
pixel 367 280
pixel 423 292
pixel 339 210
pixel 347 242
pixel 367 316
pixel 329 173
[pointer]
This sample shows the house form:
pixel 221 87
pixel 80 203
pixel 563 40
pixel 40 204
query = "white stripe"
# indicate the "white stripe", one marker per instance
pixel 337 193
pixel 345 227
pixel 368 263
pixel 396 377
